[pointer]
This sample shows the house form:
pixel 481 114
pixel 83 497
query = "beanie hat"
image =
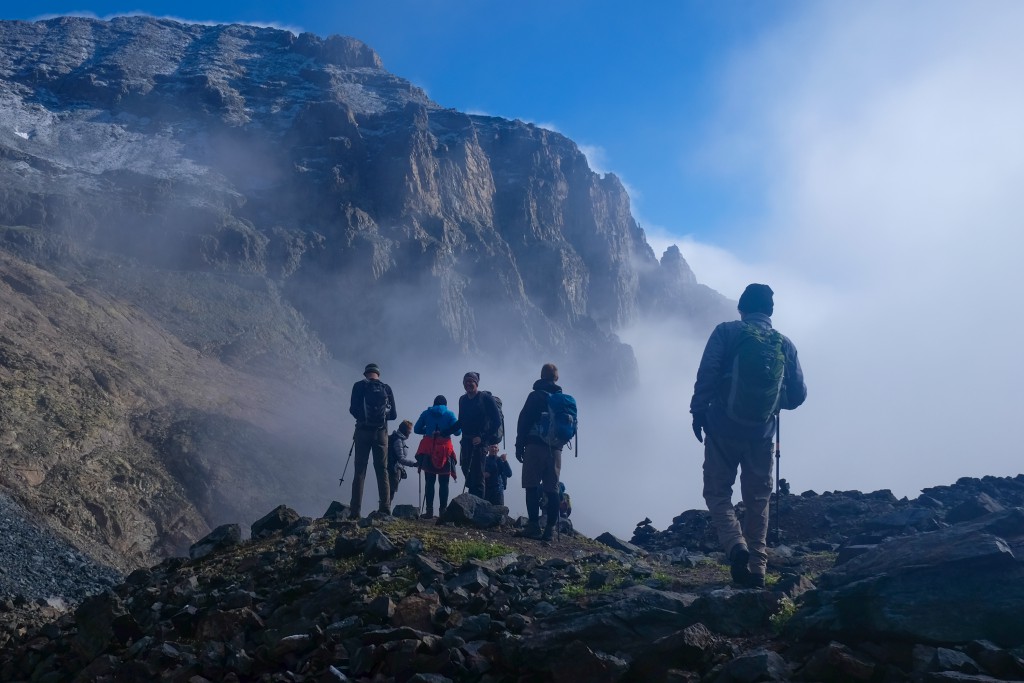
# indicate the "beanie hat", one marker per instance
pixel 757 298
pixel 440 400
pixel 372 367
pixel 475 376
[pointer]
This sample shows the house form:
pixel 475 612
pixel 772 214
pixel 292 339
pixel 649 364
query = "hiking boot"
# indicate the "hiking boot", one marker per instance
pixel 429 514
pixel 354 515
pixel 738 558
pixel 549 533
pixel 755 581
pixel 531 530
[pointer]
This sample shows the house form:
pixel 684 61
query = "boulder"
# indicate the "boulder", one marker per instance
pixel 469 510
pixel 278 519
pixel 757 665
pixel 223 537
pixel 907 588
pixel 405 512
pixel 628 623
pixel 378 546
pixel 336 511
pixel 978 506
pixel 618 544
pixel 580 664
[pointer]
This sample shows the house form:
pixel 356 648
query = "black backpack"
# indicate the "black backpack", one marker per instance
pixel 376 404
pixel 499 431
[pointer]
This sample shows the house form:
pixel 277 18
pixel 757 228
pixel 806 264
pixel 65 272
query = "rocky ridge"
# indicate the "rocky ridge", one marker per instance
pixel 403 599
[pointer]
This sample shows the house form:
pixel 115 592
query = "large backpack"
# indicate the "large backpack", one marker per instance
pixel 376 404
pixel 752 387
pixel 499 431
pixel 557 425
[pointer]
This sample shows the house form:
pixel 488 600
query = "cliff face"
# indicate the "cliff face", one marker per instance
pixel 260 203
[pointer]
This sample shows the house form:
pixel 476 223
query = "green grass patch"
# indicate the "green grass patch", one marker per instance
pixel 458 551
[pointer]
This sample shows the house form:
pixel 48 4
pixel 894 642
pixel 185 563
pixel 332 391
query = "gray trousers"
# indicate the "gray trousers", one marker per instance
pixel 753 458
pixel 367 441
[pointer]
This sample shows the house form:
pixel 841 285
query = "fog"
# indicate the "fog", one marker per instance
pixel 888 143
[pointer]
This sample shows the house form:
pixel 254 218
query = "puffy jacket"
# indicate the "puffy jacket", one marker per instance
pixel 398 452
pixel 713 366
pixel 536 403
pixel 436 418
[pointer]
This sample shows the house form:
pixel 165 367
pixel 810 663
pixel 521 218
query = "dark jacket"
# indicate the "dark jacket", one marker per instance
pixel 498 471
pixel 355 405
pixel 713 366
pixel 479 416
pixel 398 452
pixel 536 403
pixel 437 418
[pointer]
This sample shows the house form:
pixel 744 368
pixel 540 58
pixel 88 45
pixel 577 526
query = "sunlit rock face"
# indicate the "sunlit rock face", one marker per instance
pixel 301 160
pixel 185 207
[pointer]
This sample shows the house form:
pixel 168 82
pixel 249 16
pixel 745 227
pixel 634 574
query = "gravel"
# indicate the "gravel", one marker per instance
pixel 39 566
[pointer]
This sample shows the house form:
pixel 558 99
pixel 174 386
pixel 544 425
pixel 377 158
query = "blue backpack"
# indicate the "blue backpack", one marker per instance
pixel 557 425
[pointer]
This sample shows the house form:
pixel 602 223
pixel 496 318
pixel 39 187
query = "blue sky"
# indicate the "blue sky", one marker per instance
pixel 864 158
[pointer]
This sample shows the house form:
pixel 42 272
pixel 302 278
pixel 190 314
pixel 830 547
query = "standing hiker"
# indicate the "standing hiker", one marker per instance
pixel 546 423
pixel 372 405
pixel 481 424
pixel 747 373
pixel 435 455
pixel 496 474
pixel 397 456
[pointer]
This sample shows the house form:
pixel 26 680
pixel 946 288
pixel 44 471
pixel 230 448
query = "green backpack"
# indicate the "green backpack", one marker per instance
pixel 752 388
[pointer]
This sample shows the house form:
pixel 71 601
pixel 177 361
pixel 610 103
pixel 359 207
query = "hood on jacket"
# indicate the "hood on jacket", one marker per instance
pixel 547 385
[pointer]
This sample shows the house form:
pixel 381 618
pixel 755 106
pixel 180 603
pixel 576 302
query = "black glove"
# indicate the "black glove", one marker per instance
pixel 520 453
pixel 700 422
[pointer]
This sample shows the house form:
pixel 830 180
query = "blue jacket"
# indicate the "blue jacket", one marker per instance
pixel 436 418
pixel 713 366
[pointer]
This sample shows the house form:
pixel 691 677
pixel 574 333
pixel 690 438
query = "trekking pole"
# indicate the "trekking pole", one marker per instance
pixel 351 448
pixel 778 496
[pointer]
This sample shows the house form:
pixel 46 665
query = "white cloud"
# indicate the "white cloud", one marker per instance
pixel 890 142
pixel 597 158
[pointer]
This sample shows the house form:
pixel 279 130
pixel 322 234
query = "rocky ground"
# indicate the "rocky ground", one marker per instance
pixel 867 597
pixel 40 566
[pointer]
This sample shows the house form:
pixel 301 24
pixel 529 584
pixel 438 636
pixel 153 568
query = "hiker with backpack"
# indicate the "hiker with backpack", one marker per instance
pixel 372 405
pixel 546 423
pixel 435 456
pixel 397 456
pixel 496 474
pixel 482 425
pixel 748 372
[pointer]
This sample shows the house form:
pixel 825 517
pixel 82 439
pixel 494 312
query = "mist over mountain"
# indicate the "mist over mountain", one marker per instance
pixel 206 231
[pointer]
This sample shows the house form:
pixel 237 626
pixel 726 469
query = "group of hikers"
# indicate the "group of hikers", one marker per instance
pixel 747 374
pixel 547 422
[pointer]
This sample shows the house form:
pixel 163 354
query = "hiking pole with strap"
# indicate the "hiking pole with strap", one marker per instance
pixel 778 494
pixel 344 471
